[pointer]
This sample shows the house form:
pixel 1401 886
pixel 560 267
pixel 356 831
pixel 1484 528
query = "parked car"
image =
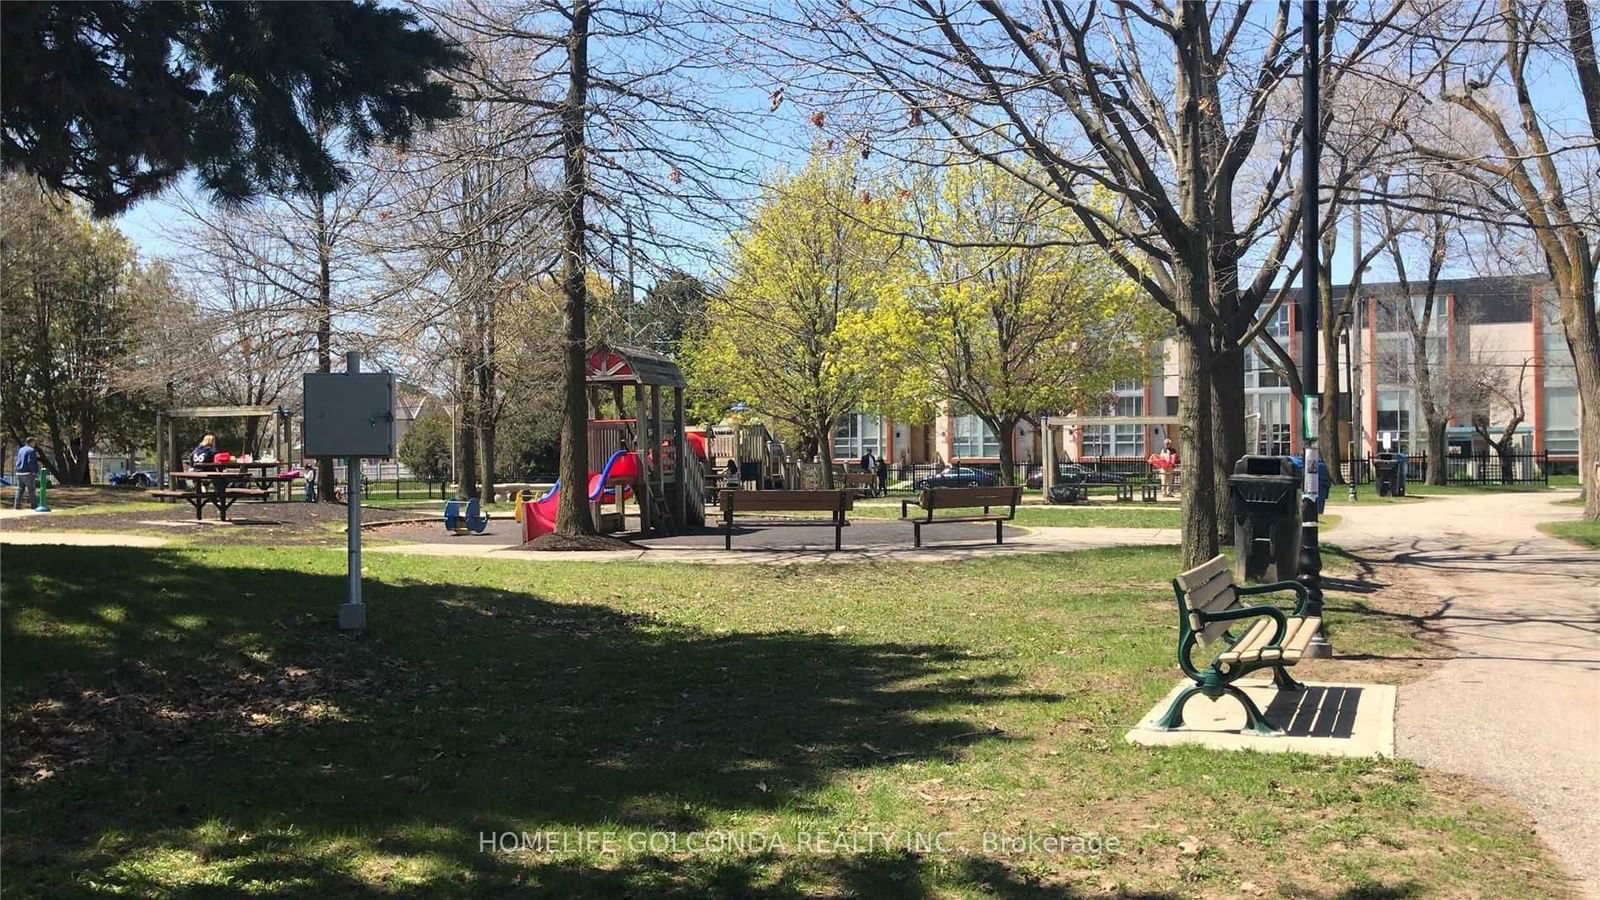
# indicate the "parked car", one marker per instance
pixel 959 476
pixel 145 478
pixel 1072 473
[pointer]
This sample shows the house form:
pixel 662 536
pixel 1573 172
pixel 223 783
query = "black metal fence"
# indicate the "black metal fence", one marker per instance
pixel 1475 468
pixel 1481 469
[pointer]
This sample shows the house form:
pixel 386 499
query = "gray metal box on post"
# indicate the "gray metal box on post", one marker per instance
pixel 350 415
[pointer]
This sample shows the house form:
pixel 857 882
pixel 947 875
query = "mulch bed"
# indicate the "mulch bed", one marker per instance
pixel 554 542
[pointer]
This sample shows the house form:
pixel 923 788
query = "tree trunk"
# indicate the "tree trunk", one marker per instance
pixel 1195 428
pixel 1438 464
pixel 824 437
pixel 572 510
pixel 1502 449
pixel 1227 431
pixel 1578 322
pixel 1191 277
pixel 324 330
pixel 1328 442
pixel 486 435
pixel 1004 427
pixel 466 450
pixel 485 414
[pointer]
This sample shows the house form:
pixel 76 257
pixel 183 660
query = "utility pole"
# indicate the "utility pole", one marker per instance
pixel 1352 351
pixel 1310 403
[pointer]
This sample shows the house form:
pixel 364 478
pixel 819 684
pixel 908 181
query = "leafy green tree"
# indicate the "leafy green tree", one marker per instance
pixel 111 101
pixel 72 292
pixel 674 306
pixel 426 447
pixel 790 336
pixel 1014 312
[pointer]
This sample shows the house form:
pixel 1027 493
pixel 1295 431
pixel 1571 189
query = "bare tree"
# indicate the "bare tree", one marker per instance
pixel 1197 152
pixel 283 272
pixel 464 228
pixel 1496 388
pixel 1535 172
pixel 1420 310
pixel 611 101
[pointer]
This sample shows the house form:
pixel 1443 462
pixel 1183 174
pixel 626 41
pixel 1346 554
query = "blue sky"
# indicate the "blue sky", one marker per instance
pixel 780 140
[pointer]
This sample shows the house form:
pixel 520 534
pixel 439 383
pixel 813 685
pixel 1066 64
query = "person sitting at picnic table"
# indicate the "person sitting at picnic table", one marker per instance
pixel 27 469
pixel 205 452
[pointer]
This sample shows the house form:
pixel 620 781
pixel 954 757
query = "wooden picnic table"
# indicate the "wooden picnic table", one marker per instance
pixel 269 478
pixel 223 493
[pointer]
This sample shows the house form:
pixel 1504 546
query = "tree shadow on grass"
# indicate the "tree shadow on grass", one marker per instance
pixel 216 711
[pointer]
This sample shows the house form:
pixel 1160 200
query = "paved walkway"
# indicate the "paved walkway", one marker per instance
pixel 82 539
pixel 1029 540
pixel 1517 705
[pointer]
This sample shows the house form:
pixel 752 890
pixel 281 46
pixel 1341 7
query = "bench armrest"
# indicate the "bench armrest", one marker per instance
pixel 1280 621
pixel 1302 596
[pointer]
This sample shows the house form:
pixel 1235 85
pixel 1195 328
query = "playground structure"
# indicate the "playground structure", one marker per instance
pixel 634 458
pixel 762 460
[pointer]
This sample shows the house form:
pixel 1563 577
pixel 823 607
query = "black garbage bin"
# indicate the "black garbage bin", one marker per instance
pixel 1388 472
pixel 1265 495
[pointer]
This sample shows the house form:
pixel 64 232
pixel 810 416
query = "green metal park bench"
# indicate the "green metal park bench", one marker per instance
pixel 1208 608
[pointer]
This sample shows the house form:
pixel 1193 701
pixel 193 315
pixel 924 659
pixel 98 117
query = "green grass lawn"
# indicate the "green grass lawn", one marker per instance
pixel 189 723
pixel 1582 532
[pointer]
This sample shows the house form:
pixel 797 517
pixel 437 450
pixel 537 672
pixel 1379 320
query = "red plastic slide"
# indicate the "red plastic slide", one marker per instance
pixel 539 517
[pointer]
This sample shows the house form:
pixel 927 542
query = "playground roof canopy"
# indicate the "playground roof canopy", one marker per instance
pixel 631 365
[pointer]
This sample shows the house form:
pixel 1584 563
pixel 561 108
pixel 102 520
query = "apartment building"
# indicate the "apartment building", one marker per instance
pixel 1503 323
pixel 1507 324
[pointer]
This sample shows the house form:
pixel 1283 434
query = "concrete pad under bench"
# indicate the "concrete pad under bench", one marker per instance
pixel 1325 719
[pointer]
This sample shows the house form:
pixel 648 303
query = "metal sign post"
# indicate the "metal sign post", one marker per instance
pixel 350 416
pixel 353 614
pixel 1311 401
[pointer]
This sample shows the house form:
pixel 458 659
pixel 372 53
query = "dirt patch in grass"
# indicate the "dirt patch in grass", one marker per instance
pixel 556 542
pixel 249 521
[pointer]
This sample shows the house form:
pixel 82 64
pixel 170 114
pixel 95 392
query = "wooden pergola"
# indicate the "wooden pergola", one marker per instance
pixel 167 451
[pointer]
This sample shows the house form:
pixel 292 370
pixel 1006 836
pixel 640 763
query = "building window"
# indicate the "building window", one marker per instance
pixel 1127 440
pixel 1561 419
pixel 1273 428
pixel 1097 440
pixel 1394 421
pixel 973 438
pixel 856 434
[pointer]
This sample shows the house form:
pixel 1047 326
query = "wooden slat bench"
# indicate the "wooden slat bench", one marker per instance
pixel 935 499
pixel 194 498
pixel 864 484
pixel 1208 608
pixel 736 502
pixel 199 499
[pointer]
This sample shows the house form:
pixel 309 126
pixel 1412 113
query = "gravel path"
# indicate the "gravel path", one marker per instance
pixel 1517 705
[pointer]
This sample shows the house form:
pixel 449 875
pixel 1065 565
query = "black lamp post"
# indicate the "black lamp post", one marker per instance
pixel 1310 401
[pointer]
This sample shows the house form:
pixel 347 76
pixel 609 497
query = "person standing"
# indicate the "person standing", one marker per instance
pixel 1168 466
pixel 27 472
pixel 869 465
